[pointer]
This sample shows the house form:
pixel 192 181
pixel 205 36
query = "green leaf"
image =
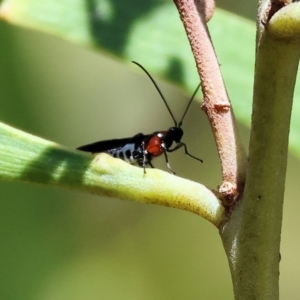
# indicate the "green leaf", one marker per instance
pixel 151 33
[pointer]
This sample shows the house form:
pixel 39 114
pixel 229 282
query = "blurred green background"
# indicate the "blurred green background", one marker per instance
pixel 58 244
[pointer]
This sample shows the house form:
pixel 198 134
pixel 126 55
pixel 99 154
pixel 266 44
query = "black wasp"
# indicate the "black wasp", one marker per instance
pixel 142 148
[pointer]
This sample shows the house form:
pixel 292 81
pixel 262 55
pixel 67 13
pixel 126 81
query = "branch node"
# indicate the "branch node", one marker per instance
pixel 222 107
pixel 229 192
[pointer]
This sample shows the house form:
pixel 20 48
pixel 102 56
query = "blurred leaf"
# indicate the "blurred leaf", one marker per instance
pixel 151 33
pixel 146 31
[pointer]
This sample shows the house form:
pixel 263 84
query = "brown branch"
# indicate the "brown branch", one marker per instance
pixel 216 104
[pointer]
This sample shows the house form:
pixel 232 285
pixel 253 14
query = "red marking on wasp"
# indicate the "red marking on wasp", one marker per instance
pixel 154 144
pixel 141 148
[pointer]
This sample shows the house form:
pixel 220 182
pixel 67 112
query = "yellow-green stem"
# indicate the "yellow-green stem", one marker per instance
pixel 24 157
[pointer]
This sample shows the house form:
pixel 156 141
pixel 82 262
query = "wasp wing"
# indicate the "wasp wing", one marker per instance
pixel 107 145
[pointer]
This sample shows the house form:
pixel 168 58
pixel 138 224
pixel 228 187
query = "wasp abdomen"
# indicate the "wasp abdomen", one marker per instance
pixel 129 153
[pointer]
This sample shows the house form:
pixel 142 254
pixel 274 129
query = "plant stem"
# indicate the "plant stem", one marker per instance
pixel 216 103
pixel 24 157
pixel 252 236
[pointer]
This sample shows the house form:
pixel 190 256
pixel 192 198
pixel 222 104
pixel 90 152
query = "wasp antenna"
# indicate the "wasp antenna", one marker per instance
pixel 189 104
pixel 159 91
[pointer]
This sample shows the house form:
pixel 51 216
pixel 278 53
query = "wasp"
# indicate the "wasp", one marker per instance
pixel 142 148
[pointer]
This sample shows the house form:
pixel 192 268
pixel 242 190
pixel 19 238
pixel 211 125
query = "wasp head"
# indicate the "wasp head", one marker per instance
pixel 174 134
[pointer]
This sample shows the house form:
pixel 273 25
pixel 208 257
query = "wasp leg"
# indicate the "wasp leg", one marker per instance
pixel 150 164
pixel 179 145
pixel 144 157
pixel 166 158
